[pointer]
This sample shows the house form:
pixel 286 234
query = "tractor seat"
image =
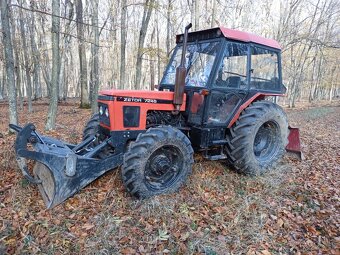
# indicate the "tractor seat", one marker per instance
pixel 230 82
pixel 233 82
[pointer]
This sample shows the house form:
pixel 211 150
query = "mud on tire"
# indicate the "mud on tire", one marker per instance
pixel 159 161
pixel 258 139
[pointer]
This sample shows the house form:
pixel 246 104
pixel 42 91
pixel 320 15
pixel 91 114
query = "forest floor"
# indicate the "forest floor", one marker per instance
pixel 293 209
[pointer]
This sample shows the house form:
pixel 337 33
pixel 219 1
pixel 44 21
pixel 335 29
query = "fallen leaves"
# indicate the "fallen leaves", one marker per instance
pixel 279 223
pixel 291 211
pixel 88 226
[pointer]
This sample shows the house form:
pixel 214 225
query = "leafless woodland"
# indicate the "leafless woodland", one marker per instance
pixel 72 48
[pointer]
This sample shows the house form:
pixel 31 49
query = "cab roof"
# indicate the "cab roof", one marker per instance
pixel 230 34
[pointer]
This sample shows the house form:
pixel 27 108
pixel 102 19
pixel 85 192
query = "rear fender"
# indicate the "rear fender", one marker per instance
pixel 246 103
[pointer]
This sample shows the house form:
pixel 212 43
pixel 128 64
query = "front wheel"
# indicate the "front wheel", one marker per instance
pixel 159 161
pixel 258 139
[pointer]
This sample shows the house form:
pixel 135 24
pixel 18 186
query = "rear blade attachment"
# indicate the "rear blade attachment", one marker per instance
pixel 294 144
pixel 60 170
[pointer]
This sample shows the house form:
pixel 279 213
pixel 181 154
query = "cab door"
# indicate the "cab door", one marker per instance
pixel 230 85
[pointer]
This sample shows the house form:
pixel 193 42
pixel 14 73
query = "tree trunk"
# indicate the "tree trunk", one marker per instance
pixel 123 33
pixel 142 34
pixel 9 62
pixel 95 57
pixel 114 77
pixel 46 69
pixel 18 78
pixel 52 109
pixel 17 68
pixel 35 57
pixel 168 27
pixel 195 7
pixel 26 60
pixel 3 92
pixel 212 23
pixel 152 64
pixel 158 54
pixel 84 95
pixel 68 12
pixel 1 89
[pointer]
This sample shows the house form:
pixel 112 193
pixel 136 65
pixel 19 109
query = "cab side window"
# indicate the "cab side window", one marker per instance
pixel 233 70
pixel 264 69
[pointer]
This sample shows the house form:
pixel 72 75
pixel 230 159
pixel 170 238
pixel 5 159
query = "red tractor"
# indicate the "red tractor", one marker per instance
pixel 211 99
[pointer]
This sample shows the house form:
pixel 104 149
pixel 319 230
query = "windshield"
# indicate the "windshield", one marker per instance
pixel 199 60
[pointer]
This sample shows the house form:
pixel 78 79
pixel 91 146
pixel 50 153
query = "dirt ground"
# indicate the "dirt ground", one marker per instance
pixel 294 209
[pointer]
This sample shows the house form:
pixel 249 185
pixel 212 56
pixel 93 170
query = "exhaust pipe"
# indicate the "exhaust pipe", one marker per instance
pixel 181 73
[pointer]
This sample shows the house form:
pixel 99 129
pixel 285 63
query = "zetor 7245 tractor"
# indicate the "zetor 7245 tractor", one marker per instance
pixel 210 99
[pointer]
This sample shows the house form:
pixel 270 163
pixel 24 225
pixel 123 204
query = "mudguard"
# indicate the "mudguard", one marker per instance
pixel 60 169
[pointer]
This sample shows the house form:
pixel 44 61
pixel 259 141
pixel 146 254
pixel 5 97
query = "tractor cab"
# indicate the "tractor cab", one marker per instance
pixel 225 68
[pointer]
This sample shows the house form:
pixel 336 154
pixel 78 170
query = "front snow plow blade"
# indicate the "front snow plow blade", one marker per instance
pixel 60 169
pixel 294 144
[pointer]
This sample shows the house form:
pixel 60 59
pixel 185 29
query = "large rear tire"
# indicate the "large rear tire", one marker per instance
pixel 258 138
pixel 158 162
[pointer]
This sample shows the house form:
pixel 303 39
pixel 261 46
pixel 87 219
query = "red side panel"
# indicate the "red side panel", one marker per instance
pixel 152 100
pixel 197 101
pixel 248 102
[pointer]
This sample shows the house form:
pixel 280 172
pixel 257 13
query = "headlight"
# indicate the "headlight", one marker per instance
pixel 101 110
pixel 107 112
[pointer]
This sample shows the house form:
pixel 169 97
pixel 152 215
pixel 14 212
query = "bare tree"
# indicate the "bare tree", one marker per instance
pixel 148 6
pixel 52 109
pixel 17 67
pixel 84 95
pixel 27 63
pixel 195 13
pixel 168 26
pixel 95 58
pixel 213 13
pixel 123 33
pixel 68 13
pixel 9 62
pixel 306 30
pixel 35 57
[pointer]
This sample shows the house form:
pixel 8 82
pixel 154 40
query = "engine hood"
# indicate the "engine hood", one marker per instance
pixel 164 95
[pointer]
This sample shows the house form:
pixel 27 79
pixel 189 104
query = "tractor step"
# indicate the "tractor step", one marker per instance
pixel 220 142
pixel 216 157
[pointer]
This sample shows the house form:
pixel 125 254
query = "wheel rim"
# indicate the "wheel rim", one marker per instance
pixel 266 142
pixel 163 167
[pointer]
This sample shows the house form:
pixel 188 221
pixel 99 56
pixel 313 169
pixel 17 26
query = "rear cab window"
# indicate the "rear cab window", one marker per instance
pixel 264 73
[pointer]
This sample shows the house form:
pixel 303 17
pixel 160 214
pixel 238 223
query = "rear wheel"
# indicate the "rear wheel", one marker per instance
pixel 258 139
pixel 159 161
